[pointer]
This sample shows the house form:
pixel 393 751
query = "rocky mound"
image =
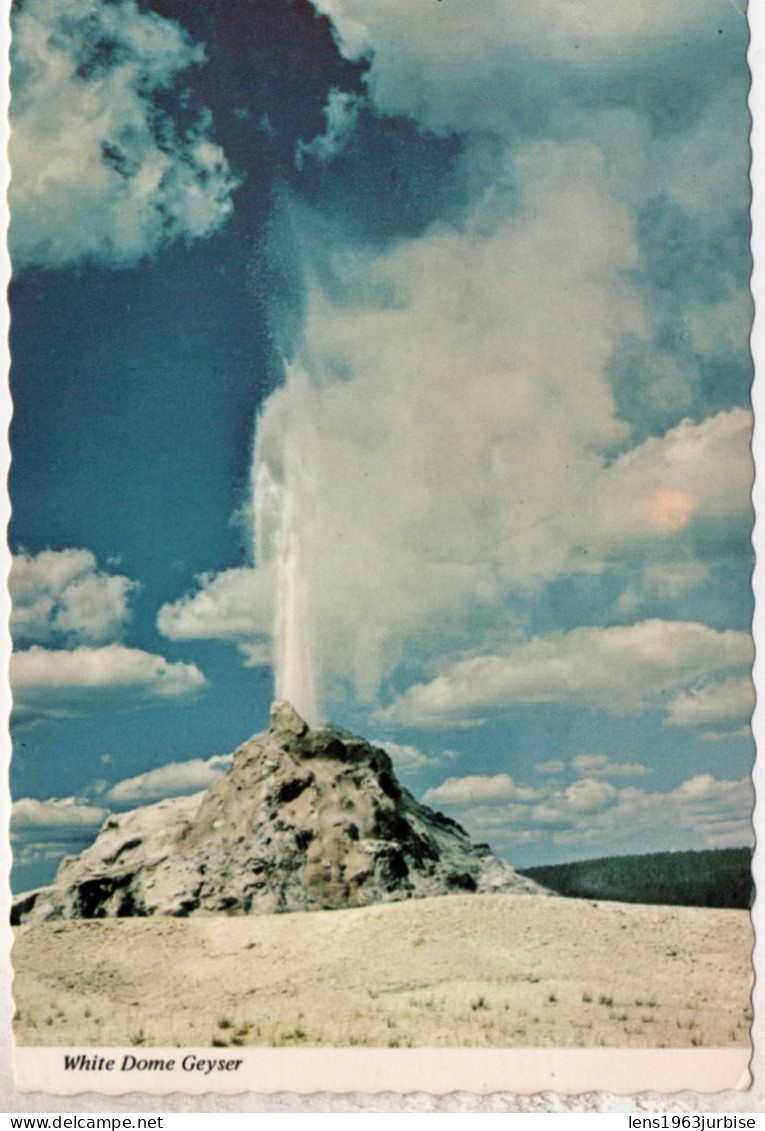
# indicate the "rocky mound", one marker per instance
pixel 305 819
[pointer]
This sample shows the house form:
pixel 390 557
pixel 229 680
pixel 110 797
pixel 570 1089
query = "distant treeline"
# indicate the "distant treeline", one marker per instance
pixel 719 877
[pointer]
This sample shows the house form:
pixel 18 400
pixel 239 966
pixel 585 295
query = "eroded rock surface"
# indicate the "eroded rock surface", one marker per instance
pixel 305 819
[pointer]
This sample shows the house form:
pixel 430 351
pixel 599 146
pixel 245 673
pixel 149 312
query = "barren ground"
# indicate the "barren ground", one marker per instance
pixel 474 970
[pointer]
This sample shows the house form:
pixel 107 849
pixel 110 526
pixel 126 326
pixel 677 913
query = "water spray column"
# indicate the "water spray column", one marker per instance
pixel 280 514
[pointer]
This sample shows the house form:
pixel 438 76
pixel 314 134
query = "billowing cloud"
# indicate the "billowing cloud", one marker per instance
pixel 729 701
pixel 172 780
pixel 663 485
pixel 592 766
pixel 715 812
pixel 661 92
pixel 620 669
pixel 44 831
pixel 585 796
pixel 62 596
pixel 101 170
pixel 406 758
pixel 432 63
pixel 553 766
pixel 481 788
pixel 601 766
pixel 56 813
pixel 340 113
pixel 592 816
pixel 663 580
pixel 234 605
pixel 57 684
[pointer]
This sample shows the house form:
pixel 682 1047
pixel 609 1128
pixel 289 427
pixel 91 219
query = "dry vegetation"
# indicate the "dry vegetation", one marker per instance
pixel 474 971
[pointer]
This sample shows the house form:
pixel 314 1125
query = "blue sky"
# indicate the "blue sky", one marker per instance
pixel 393 358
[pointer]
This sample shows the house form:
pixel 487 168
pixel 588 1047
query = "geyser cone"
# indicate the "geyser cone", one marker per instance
pixel 305 819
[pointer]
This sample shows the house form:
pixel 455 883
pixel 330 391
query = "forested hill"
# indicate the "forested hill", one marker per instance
pixel 712 878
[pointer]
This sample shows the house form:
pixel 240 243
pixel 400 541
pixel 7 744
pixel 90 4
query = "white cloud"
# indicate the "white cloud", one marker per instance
pixel 55 813
pixel 431 63
pixel 172 780
pixel 406 759
pixel 660 487
pixel 665 580
pixel 340 113
pixel 46 851
pixel 554 766
pixel 100 171
pixel 716 813
pixel 620 669
pixel 478 787
pixel 601 766
pixel 586 796
pixel 65 684
pixel 62 595
pixel 594 817
pixel 234 605
pixel 727 701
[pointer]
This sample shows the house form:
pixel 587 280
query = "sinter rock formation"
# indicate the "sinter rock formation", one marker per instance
pixel 305 819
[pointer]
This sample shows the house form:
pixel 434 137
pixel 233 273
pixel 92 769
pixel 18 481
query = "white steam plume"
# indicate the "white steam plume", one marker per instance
pixel 439 451
pixel 280 516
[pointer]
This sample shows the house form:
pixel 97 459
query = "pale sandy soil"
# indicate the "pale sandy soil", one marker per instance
pixel 499 971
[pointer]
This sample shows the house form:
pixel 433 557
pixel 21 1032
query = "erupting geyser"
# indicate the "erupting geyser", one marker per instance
pixel 279 542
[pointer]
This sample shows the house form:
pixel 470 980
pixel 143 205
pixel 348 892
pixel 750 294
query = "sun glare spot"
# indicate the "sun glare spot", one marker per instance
pixel 670 509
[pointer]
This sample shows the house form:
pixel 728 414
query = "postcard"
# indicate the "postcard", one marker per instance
pixel 381 546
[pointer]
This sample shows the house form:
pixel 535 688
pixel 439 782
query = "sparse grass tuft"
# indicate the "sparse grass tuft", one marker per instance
pixel 605 1000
